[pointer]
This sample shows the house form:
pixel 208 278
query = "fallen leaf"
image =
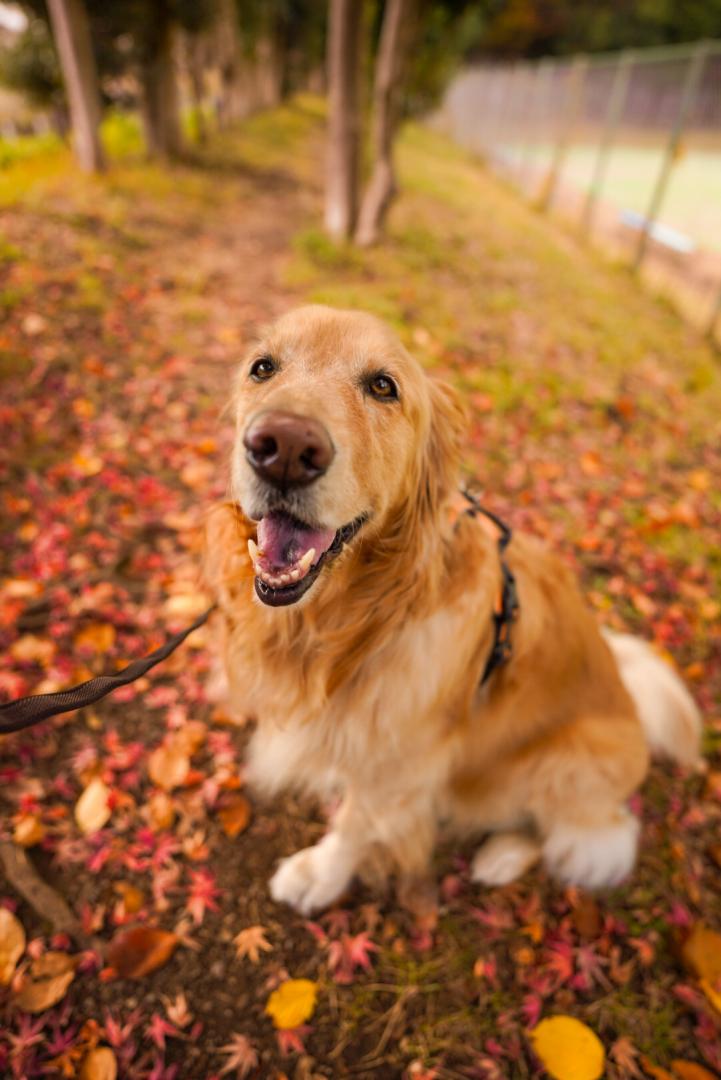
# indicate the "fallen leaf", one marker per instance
pixel 131 896
pixel 586 917
pixel 46 983
pixel 28 830
pixel 689 1070
pixel 96 637
pixel 568 1049
pixel 168 766
pixel 92 810
pixel 30 649
pixel 137 952
pixel 99 1064
pixel 12 945
pixel 655 1071
pixel 292 1003
pixel 701 954
pixel 160 811
pixel 250 942
pixel 234 815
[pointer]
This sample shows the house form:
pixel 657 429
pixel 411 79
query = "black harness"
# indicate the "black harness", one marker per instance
pixel 507 606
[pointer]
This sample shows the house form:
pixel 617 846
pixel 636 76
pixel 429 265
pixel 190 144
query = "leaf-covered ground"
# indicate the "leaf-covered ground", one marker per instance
pixel 126 303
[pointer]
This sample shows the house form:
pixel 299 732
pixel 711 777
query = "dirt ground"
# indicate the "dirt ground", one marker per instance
pixel 126 302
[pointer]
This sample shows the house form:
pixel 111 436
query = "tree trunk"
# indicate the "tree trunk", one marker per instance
pixel 386 104
pixel 344 121
pixel 160 107
pixel 72 36
pixel 193 54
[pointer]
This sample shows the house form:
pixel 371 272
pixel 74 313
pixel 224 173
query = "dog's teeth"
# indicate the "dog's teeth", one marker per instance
pixel 307 559
pixel 284 579
pixel 294 575
pixel 253 551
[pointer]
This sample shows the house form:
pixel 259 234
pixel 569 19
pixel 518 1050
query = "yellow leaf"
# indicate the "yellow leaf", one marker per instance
pixel 12 945
pixel 292 1003
pixel 568 1049
pixel 92 810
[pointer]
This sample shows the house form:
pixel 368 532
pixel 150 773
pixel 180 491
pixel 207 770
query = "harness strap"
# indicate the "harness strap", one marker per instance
pixel 26 711
pixel 506 607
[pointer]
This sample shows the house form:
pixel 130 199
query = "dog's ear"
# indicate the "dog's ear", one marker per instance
pixel 442 453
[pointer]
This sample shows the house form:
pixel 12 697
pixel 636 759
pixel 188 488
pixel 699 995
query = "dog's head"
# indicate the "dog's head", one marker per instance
pixel 339 432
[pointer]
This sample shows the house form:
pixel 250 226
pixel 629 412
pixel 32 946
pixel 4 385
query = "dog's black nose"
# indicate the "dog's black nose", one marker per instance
pixel 288 450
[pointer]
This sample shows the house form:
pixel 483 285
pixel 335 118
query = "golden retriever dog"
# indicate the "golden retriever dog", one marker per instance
pixel 357 617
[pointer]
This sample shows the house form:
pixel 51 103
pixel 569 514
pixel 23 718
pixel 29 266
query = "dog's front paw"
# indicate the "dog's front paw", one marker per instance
pixel 313 878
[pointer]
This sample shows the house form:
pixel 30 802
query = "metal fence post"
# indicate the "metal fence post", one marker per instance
pixel 538 89
pixel 572 102
pixel 616 102
pixel 688 96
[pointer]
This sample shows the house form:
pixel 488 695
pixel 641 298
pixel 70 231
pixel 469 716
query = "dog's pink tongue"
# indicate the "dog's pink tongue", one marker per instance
pixel 284 542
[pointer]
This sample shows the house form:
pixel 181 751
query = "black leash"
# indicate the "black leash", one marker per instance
pixel 506 611
pixel 26 711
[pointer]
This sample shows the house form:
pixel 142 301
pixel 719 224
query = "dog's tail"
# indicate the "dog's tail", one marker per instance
pixel 668 713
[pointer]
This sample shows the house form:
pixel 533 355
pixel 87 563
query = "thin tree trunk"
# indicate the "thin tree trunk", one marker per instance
pixel 72 36
pixel 194 54
pixel 386 105
pixel 344 121
pixel 160 109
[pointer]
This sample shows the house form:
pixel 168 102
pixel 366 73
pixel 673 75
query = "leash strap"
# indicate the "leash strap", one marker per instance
pixel 26 711
pixel 506 610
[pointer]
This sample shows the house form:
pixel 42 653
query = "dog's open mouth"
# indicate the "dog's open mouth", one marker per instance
pixel 289 555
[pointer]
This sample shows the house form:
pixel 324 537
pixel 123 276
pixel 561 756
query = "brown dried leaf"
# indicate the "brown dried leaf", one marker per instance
pixel 168 766
pixel 159 811
pixel 99 1064
pixel 132 897
pixel 137 952
pixel 587 917
pixel 250 942
pixel 234 815
pixel 47 982
pixel 92 809
pixel 12 945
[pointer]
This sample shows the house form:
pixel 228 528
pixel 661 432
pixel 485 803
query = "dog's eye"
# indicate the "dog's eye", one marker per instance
pixel 382 387
pixel 262 369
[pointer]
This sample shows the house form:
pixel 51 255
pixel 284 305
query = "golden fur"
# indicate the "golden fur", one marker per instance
pixel 368 688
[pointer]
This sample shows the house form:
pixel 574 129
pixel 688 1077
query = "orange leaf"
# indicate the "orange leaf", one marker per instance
pixel 137 952
pixel 234 815
pixel 701 953
pixel 655 1070
pixel 99 1064
pixel 689 1070
pixel 96 637
pixel 168 766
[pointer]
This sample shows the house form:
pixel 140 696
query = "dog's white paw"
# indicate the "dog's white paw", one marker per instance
pixel 504 858
pixel 313 878
pixel 595 858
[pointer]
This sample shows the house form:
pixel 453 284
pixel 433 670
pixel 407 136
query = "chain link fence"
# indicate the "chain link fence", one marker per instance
pixel 627 145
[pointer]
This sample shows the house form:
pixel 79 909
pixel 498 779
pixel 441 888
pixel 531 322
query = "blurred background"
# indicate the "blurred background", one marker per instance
pixel 606 113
